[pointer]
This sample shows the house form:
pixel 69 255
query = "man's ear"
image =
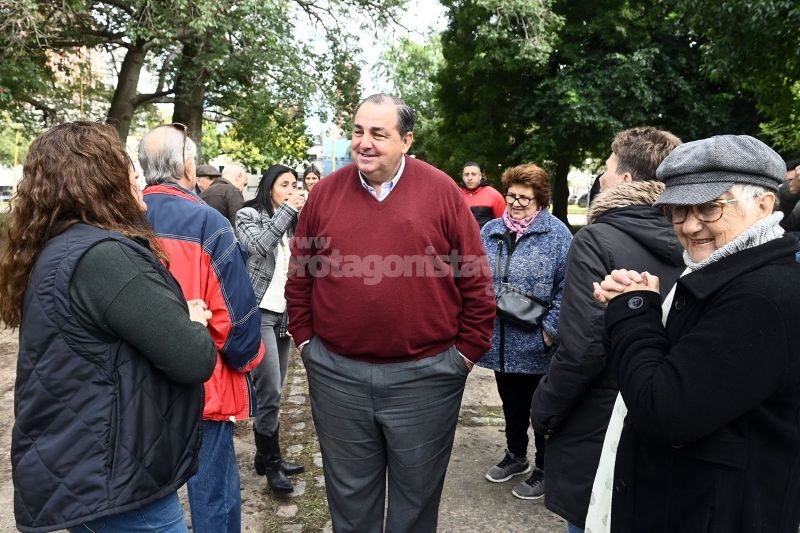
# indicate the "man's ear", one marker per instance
pixel 408 138
pixel 189 178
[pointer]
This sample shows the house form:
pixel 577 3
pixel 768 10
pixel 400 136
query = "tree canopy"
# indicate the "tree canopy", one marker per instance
pixel 552 81
pixel 250 66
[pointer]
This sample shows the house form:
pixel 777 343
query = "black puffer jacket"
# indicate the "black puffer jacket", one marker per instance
pixel 573 402
pixel 98 430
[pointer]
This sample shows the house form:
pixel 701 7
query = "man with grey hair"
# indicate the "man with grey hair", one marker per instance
pixel 389 325
pixel 204 257
pixel 225 193
pixel 206 174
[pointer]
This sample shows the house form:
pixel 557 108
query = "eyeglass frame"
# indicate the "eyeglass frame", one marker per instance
pixel 669 210
pixel 518 199
pixel 185 129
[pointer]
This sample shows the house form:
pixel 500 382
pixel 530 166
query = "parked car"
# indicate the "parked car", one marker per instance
pixel 572 199
pixel 583 201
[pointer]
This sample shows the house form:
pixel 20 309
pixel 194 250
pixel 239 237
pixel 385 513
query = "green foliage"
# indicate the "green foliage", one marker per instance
pixel 238 62
pixel 14 142
pixel 410 68
pixel 736 36
pixel 783 130
pixel 285 143
pixel 606 65
pixel 346 73
pixel 754 46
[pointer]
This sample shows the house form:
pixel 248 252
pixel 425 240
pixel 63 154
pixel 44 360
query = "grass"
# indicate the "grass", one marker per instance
pixel 573 209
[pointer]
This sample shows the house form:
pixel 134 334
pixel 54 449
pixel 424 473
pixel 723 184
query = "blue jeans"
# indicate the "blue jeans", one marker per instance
pixel 572 528
pixel 162 516
pixel 215 499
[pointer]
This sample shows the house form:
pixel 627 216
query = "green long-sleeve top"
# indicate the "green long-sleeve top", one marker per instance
pixel 116 293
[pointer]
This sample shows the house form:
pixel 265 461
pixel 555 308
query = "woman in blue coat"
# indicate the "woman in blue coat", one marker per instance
pixel 528 248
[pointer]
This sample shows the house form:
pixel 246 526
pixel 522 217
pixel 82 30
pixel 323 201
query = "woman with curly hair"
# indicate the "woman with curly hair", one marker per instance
pixel 111 362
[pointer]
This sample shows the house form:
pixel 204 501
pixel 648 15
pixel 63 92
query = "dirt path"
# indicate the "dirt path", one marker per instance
pixel 469 502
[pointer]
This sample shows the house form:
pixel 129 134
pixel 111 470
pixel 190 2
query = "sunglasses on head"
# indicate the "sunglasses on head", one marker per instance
pixel 185 130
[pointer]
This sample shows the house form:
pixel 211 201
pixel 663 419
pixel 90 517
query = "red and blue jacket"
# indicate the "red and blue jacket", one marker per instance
pixel 208 263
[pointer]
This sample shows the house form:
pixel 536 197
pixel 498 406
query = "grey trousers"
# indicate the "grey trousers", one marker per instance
pixel 384 425
pixel 270 374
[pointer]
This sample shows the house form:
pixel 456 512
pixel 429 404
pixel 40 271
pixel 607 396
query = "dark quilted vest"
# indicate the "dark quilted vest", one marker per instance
pixel 99 430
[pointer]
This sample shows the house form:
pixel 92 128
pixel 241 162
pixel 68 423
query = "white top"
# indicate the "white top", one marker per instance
pixel 274 299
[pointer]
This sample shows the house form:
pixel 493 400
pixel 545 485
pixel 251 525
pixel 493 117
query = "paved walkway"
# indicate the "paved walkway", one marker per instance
pixel 469 502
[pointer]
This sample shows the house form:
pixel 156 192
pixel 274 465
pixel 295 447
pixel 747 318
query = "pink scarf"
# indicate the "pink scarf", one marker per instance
pixel 519 226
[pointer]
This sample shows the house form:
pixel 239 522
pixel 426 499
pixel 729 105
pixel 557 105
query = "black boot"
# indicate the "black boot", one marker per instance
pixel 268 462
pixel 289 468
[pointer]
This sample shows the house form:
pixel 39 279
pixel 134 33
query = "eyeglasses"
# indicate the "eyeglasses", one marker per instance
pixel 183 128
pixel 523 201
pixel 707 212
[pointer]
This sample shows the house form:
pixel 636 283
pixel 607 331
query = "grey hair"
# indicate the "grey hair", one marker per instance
pixel 405 115
pixel 161 154
pixel 746 194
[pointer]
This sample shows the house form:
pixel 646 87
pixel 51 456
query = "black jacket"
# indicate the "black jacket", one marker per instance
pixel 98 429
pixel 712 438
pixel 573 401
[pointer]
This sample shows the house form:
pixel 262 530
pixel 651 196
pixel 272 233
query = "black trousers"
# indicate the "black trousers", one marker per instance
pixel 516 392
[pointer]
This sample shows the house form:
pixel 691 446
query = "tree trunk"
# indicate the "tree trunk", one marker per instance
pixel 190 93
pixel 561 190
pixel 123 103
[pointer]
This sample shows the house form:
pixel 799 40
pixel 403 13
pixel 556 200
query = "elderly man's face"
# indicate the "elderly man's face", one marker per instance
pixel 204 182
pixel 701 239
pixel 377 146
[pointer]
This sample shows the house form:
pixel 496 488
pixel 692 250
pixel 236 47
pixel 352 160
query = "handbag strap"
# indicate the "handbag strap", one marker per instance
pixel 504 277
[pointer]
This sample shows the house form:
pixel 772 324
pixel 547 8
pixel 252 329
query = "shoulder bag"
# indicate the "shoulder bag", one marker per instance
pixel 514 305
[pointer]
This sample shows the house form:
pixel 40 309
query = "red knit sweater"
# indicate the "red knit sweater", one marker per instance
pixel 375 280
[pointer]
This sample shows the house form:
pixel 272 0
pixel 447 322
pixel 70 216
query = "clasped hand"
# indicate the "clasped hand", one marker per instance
pixel 198 311
pixel 622 281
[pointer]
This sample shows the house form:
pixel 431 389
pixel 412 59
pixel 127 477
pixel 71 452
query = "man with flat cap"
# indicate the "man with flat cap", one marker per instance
pixel 711 378
pixel 206 174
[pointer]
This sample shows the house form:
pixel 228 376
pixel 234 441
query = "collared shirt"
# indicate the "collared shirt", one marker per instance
pixel 387 187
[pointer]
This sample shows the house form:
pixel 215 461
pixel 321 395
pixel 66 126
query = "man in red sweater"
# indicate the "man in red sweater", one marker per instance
pixel 484 201
pixel 390 303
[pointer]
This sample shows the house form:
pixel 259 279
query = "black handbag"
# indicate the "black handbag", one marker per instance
pixel 514 305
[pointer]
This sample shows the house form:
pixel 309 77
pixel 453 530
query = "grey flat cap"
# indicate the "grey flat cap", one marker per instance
pixel 208 171
pixel 700 171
